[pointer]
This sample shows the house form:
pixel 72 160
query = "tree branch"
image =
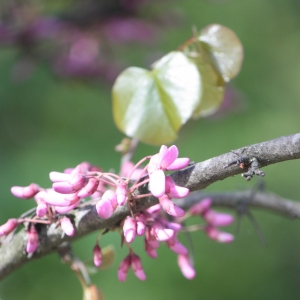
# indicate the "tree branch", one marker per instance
pixel 242 200
pixel 195 177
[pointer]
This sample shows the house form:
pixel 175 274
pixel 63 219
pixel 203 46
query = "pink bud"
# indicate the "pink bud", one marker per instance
pixel 97 256
pixel 121 193
pixel 52 198
pixel 124 267
pixel 157 183
pixel 58 176
pixel 137 267
pixel 162 234
pixel 41 209
pixel 82 168
pixel 66 226
pixel 107 205
pixel 219 236
pixel 77 182
pixel 127 168
pixel 175 226
pixel 170 208
pixel 176 246
pixel 140 224
pixel 26 192
pixel 175 191
pixel 71 198
pixel 104 209
pixel 63 187
pixel 65 209
pixel 32 239
pixel 217 219
pixel 89 189
pixel 150 250
pixel 201 207
pixel 110 196
pixel 154 210
pixel 129 229
pixel 186 267
pixel 68 171
pixel 8 227
pixel 151 240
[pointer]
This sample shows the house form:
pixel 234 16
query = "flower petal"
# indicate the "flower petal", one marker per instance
pixel 157 183
pixel 169 157
pixel 186 266
pixel 170 208
pixel 179 164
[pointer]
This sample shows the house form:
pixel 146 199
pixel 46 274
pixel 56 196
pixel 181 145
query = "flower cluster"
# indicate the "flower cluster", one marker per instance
pixel 213 219
pixel 161 223
pixel 154 226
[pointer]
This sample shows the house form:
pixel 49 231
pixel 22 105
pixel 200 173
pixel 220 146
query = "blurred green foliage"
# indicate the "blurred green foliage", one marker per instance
pixel 49 124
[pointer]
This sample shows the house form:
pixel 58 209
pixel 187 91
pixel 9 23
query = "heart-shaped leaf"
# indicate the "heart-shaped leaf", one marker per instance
pixel 153 105
pixel 225 48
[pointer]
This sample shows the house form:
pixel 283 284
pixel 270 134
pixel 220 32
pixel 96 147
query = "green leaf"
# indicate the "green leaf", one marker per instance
pixel 213 84
pixel 213 90
pixel 153 105
pixel 225 48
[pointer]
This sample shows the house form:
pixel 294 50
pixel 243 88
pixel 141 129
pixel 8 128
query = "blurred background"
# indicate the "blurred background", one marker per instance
pixel 58 60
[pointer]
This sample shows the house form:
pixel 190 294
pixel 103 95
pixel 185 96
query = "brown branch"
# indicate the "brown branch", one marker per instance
pixel 195 177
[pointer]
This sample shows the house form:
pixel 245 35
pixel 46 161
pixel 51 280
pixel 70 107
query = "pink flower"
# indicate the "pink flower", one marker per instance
pixel 217 219
pixel 121 193
pixel 165 160
pixel 170 208
pixel 32 239
pixel 176 246
pixel 172 225
pixel 124 267
pixel 65 209
pixel 201 207
pixel 186 266
pixel 141 224
pixel 154 210
pixel 129 229
pixel 89 189
pixel 8 227
pixel 135 262
pixel 67 226
pixel 107 205
pixel 75 180
pixel 137 267
pixel 219 236
pixel 26 192
pixel 161 233
pixel 53 198
pixel 127 168
pixel 97 256
pixel 173 190
pixel 41 209
pixel 150 239
pixel 150 250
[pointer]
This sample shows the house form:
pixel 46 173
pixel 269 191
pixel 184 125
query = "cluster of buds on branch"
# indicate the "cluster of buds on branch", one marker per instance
pixel 160 223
